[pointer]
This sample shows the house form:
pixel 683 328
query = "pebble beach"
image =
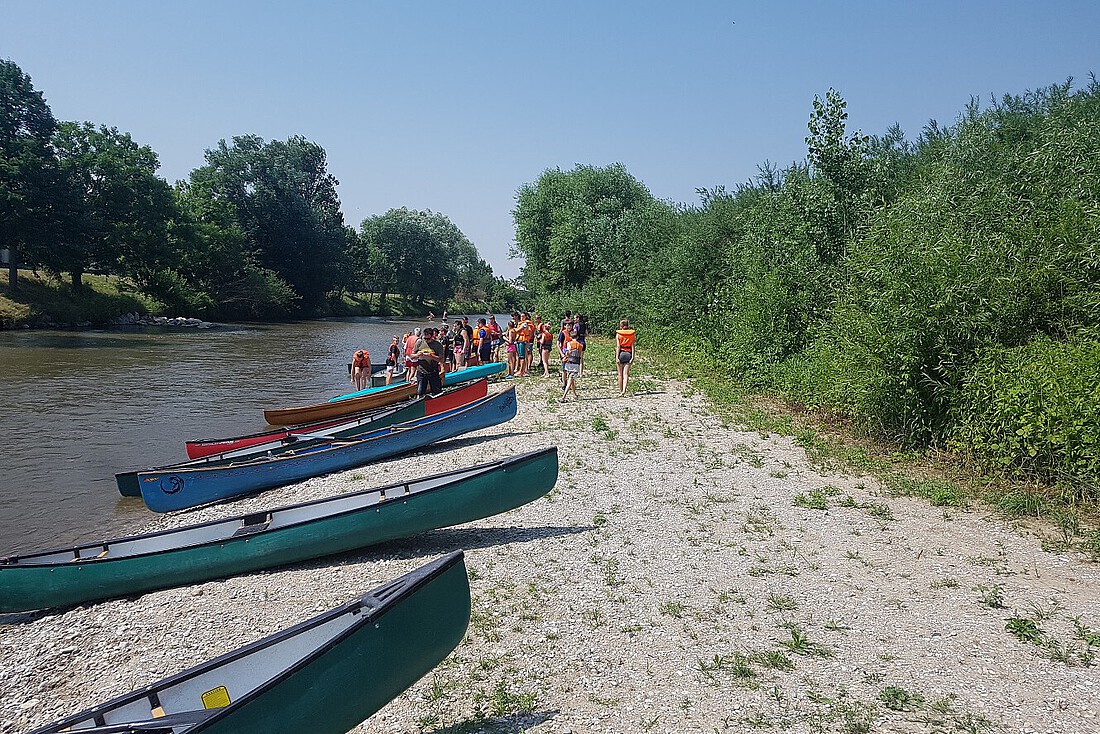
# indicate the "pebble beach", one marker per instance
pixel 684 575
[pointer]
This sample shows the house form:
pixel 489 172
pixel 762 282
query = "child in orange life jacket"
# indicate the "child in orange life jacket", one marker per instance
pixel 571 366
pixel 360 369
pixel 624 343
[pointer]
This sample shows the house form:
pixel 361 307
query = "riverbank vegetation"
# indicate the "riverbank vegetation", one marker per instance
pixel 254 233
pixel 942 291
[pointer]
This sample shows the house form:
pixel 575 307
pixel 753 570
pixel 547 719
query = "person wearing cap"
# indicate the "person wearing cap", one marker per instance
pixel 393 358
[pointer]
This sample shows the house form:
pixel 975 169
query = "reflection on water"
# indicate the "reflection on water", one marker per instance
pixel 79 406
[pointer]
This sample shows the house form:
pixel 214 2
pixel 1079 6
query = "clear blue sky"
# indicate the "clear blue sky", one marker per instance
pixel 452 106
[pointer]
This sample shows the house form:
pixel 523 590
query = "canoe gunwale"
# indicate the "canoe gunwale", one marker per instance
pixel 371 606
pixel 19 560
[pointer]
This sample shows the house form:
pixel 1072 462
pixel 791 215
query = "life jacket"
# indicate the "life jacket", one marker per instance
pixel 526 331
pixel 494 329
pixel 625 338
pixel 546 337
pixel 361 359
pixel 573 350
pixel 482 339
pixel 410 348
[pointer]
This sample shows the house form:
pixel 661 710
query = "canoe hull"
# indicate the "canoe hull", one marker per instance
pixel 339 683
pixel 180 489
pixel 199 449
pixel 517 482
pixel 324 411
pixel 451 378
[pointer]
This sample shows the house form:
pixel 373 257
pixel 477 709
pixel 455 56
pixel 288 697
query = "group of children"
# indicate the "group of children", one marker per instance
pixel 467 345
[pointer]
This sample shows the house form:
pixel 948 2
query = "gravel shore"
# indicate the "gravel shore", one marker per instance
pixel 683 576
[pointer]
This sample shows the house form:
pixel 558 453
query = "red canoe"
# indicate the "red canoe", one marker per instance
pixel 200 448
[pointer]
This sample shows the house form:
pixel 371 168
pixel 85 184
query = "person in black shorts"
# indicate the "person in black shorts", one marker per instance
pixel 430 358
pixel 485 343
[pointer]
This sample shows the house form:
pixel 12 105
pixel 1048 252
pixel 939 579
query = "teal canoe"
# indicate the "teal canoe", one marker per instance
pixel 451 378
pixel 323 676
pixel 235 545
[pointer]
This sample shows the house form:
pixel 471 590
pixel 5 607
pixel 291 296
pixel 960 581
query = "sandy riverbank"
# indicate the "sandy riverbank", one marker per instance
pixel 682 577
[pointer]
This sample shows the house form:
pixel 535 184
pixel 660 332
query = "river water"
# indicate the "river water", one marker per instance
pixel 78 406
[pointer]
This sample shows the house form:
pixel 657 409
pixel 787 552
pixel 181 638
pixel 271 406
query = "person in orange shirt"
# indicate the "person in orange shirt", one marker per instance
pixel 624 349
pixel 545 338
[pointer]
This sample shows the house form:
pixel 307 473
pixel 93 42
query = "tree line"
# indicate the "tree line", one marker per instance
pixel 256 232
pixel 940 291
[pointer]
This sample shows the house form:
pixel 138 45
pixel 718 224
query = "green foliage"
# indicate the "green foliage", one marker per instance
pixel 1034 408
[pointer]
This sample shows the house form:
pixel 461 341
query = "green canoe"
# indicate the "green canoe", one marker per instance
pixel 322 676
pixel 274 537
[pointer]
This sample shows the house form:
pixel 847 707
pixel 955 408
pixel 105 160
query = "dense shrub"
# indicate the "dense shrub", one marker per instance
pixel 1034 408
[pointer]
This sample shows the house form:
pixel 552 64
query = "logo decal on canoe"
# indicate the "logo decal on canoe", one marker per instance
pixel 215 698
pixel 171 484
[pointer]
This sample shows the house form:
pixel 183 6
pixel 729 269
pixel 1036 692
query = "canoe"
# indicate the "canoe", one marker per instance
pixel 378 398
pixel 199 448
pixel 127 482
pixel 451 378
pixel 177 489
pixel 273 537
pixel 324 675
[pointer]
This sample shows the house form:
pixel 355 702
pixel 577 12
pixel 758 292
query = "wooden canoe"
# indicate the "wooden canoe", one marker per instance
pixel 177 489
pixel 272 537
pixel 324 675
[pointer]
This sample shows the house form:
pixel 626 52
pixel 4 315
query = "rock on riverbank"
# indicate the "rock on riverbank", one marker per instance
pixel 683 576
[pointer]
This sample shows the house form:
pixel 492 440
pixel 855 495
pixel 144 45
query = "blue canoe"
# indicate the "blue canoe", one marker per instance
pixel 177 489
pixel 451 378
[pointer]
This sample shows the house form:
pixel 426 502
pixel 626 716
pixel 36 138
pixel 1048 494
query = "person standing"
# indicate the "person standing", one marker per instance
pixel 580 333
pixel 444 337
pixel 393 358
pixel 545 339
pixel 484 342
pixel 410 355
pixel 429 354
pixel 495 334
pixel 571 367
pixel 624 351
pixel 459 335
pixel 468 342
pixel 360 369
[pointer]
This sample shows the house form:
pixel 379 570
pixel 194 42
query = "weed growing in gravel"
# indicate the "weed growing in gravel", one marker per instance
pixel 815 500
pixel 672 609
pixel 938 492
pixel 772 659
pixel 781 603
pixel 1025 629
pixel 505 701
pixel 899 699
pixel 736 666
pixel 992 596
pixel 1040 613
pixel 800 643
pixel 945 583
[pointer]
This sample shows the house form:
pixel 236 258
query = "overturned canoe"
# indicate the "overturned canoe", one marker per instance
pixel 324 675
pixel 274 537
pixel 177 489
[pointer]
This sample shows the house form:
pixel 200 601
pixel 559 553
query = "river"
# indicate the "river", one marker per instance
pixel 78 406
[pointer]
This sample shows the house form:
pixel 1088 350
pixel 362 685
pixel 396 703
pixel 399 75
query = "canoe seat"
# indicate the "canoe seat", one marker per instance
pixel 253 524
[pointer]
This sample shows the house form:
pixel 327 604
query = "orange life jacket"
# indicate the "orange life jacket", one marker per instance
pixel 525 331
pixel 361 359
pixel 573 351
pixel 625 339
pixel 546 337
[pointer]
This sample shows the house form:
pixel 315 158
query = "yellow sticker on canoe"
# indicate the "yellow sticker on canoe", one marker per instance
pixel 216 698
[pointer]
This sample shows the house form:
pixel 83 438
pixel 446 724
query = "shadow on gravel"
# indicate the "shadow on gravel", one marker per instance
pixel 503 725
pixel 439 542
pixel 432 543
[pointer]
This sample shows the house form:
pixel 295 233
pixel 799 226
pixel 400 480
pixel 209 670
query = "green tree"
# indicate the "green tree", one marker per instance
pixel 284 202
pixel 426 251
pixel 575 225
pixel 28 173
pixel 118 211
